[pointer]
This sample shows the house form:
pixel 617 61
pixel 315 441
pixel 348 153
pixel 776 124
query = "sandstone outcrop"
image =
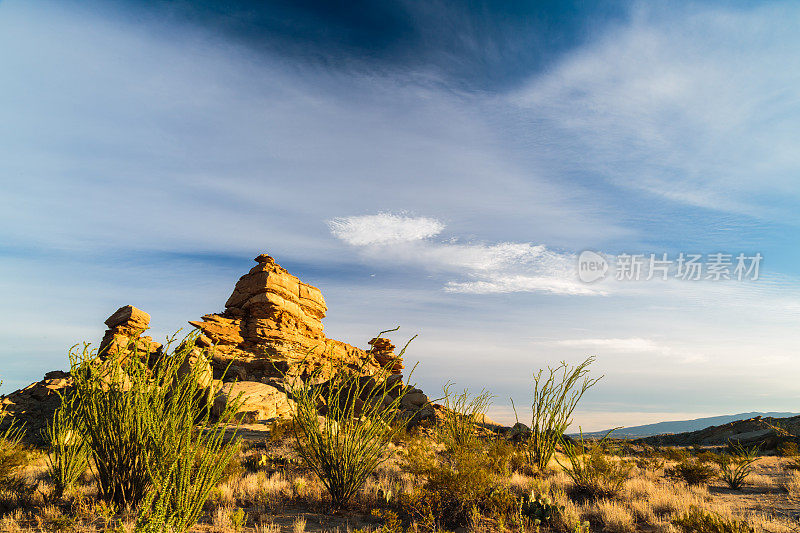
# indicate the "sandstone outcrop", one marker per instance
pixel 272 325
pixel 32 407
pixel 269 338
pixel 257 402
pixel 125 329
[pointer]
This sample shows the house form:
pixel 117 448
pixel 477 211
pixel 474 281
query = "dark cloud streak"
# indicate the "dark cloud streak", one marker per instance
pixel 469 45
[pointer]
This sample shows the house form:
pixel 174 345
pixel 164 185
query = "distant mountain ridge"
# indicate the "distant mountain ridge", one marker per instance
pixel 684 426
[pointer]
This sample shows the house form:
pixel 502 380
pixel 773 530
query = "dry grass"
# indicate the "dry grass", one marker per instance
pixel 291 500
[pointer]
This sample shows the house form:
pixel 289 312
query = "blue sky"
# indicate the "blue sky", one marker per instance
pixel 436 165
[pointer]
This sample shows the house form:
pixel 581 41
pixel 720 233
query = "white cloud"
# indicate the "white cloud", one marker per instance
pixel 499 283
pixel 488 268
pixel 383 228
pixel 632 345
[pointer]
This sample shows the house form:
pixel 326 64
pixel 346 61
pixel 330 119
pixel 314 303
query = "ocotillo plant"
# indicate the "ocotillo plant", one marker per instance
pixel 344 446
pixel 555 396
pixel 140 415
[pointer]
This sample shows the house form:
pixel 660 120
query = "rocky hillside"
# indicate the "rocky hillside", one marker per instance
pixel 683 426
pixel 269 338
pixel 766 431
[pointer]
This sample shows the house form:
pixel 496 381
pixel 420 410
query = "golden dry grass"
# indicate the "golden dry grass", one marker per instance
pixel 291 500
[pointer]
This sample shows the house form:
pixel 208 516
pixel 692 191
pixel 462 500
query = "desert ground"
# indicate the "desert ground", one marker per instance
pixel 423 486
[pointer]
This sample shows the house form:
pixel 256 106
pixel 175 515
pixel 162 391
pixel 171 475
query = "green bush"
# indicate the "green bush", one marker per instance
pixel 13 454
pixel 458 426
pixel 698 520
pixel 450 485
pixel 345 446
pixel 138 414
pixel 593 473
pixel 708 457
pixel 788 449
pixel 738 465
pixel 555 396
pixel 673 453
pixel 68 457
pixel 692 472
pixel 505 458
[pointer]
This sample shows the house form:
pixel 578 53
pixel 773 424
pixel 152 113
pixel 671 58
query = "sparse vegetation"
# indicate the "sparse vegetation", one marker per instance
pixel 692 472
pixel 13 454
pixel 427 478
pixel 457 429
pixel 69 457
pixel 593 472
pixel 736 466
pixel 137 414
pixel 555 396
pixel 345 446
pixel 698 520
pixel 788 449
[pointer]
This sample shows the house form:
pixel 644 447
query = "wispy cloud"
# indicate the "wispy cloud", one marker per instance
pixel 484 268
pixel 695 105
pixel 632 345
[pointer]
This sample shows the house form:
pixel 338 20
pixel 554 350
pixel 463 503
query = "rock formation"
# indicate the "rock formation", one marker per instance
pixel 32 407
pixel 269 336
pixel 125 327
pixel 271 332
pixel 272 325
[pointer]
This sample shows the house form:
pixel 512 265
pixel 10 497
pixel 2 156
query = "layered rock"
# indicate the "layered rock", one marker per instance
pixel 32 407
pixel 269 337
pixel 125 328
pixel 272 325
pixel 383 352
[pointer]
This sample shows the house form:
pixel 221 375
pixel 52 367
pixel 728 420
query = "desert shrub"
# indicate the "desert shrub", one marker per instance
pixel 427 508
pixel 345 446
pixel 692 472
pixel 555 396
pixel 390 522
pixel 708 457
pixel 504 458
pixel 593 473
pixel 13 454
pixel 138 414
pixel 458 426
pixel 450 485
pixel 69 456
pixel 673 453
pixel 788 449
pixel 697 520
pixel 738 465
pixel 448 497
pixel 648 463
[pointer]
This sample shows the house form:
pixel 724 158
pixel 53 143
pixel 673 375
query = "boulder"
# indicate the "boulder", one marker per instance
pixel 518 432
pixel 33 407
pixel 414 399
pixel 265 401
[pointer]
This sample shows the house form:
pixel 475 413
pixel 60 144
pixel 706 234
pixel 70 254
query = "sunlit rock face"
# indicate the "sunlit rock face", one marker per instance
pixel 272 325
